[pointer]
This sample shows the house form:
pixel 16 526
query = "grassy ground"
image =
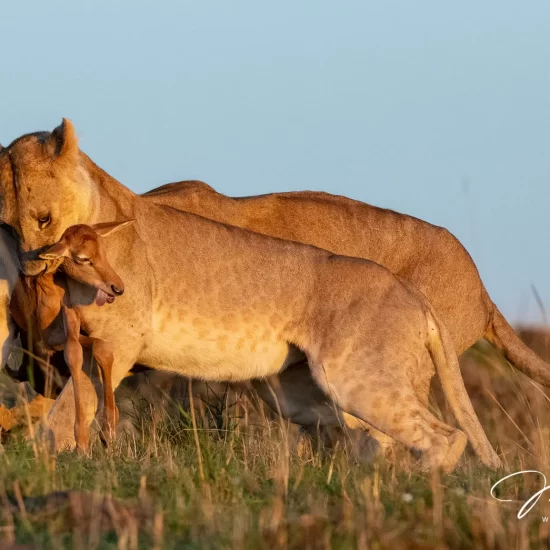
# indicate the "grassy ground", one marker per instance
pixel 245 485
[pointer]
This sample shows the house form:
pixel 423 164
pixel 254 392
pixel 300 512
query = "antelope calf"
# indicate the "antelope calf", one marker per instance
pixel 45 306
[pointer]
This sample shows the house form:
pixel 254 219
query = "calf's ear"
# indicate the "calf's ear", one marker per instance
pixel 105 229
pixel 56 251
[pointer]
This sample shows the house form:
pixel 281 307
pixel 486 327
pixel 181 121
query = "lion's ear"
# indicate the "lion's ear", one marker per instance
pixel 64 140
pixel 1 147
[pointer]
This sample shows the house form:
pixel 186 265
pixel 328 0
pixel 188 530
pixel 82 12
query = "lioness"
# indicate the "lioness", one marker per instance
pixel 427 256
pixel 217 302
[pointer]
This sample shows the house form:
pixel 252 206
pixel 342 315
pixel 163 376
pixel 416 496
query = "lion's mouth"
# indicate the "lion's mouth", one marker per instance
pixel 103 297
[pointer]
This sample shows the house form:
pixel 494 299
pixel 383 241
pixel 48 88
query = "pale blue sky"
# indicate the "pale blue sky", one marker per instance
pixel 436 109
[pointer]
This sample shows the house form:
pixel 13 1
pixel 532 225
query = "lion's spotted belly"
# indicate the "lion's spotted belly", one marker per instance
pixel 217 353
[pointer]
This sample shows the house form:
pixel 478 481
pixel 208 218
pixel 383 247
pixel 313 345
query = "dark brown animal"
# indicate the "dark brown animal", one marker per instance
pixel 44 308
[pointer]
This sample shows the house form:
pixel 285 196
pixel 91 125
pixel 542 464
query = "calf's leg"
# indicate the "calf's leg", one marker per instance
pixel 63 411
pixel 74 359
pixel 102 352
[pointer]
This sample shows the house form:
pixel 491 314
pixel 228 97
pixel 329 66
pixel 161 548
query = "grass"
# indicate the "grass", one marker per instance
pixel 241 483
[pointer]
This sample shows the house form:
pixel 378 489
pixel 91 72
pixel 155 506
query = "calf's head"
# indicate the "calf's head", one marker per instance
pixel 84 259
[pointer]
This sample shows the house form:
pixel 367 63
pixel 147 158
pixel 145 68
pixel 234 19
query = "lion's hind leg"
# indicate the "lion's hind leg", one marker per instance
pixel 388 402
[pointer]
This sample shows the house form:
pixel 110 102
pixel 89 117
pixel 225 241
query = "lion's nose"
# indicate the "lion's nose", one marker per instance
pixel 118 291
pixel 35 268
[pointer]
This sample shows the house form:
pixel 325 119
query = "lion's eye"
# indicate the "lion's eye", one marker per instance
pixel 44 221
pixel 82 260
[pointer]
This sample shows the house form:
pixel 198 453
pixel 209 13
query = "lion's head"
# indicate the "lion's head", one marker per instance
pixel 45 189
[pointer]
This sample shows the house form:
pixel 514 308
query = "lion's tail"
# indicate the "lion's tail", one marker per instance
pixel 503 337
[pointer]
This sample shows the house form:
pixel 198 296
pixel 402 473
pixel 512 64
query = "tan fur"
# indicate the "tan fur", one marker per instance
pixel 429 257
pixel 216 302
